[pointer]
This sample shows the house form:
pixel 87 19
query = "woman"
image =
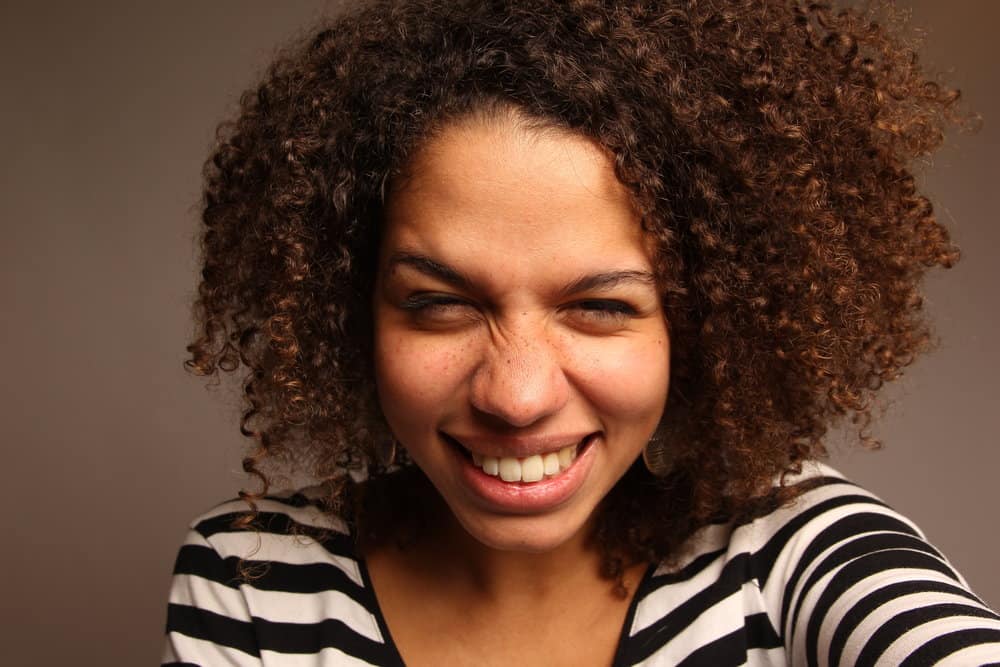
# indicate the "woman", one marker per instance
pixel 556 302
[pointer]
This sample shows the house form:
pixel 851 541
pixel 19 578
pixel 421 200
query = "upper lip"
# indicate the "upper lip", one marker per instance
pixel 517 446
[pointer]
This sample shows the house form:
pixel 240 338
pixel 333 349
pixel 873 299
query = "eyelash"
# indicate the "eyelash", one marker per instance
pixel 607 308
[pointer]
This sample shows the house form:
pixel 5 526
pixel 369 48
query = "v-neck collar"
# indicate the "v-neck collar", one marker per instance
pixel 645 584
pixel 394 659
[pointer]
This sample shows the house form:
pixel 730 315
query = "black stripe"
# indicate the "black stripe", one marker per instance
pixel 312 638
pixel 838 531
pixel 205 562
pixel 728 650
pixel 294 500
pixel 648 640
pixel 869 603
pixel 857 570
pixel 761 633
pixel 689 571
pixel 212 627
pixel 179 664
pixel 858 547
pixel 303 578
pixel 308 578
pixel 906 621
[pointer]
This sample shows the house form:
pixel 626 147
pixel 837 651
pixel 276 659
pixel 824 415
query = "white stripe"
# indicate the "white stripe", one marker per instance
pixel 713 537
pixel 973 655
pixel 767 657
pixel 307 608
pixel 811 470
pixel 290 549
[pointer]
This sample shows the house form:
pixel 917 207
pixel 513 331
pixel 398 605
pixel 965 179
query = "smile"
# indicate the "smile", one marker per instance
pixel 526 470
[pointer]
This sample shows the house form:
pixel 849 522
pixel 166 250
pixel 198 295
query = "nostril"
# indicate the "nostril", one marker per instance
pixel 519 390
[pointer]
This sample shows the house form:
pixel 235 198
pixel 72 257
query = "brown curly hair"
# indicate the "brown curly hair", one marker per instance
pixel 767 144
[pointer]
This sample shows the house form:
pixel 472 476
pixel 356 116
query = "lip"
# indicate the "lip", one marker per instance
pixel 494 494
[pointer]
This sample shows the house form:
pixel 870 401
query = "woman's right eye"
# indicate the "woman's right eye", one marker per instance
pixel 437 307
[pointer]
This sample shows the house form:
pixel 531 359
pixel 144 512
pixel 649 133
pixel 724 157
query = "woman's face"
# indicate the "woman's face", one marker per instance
pixel 521 351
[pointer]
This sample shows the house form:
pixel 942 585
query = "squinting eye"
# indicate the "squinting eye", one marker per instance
pixel 605 309
pixel 435 306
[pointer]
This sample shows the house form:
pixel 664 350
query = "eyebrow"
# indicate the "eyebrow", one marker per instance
pixel 607 280
pixel 455 278
pixel 428 266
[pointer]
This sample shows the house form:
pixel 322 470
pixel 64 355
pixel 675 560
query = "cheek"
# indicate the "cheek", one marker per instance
pixel 417 374
pixel 628 380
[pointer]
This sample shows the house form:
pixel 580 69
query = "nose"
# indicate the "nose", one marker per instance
pixel 520 381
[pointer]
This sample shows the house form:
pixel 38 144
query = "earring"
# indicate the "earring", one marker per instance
pixel 385 450
pixel 657 457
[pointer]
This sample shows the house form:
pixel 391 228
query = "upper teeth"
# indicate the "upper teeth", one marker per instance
pixel 530 469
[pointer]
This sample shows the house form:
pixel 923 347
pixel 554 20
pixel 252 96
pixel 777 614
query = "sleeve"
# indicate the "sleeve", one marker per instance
pixel 208 619
pixel 858 584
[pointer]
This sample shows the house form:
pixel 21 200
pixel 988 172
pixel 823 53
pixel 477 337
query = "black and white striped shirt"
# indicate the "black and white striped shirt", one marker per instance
pixel 836 578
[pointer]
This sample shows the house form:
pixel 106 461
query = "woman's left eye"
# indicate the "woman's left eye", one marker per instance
pixel 605 309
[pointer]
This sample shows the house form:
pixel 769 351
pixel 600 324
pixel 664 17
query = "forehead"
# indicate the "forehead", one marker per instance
pixel 533 195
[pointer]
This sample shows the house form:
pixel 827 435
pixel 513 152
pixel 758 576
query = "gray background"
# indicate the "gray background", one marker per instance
pixel 107 111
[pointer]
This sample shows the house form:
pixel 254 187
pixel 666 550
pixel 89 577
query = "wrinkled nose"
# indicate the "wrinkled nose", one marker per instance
pixel 520 381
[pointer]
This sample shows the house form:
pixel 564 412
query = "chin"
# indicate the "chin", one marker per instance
pixel 525 534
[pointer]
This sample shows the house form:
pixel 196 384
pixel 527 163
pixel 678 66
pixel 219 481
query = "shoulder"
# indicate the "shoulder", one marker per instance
pixel 290 583
pixel 825 577
pixel 828 508
pixel 289 536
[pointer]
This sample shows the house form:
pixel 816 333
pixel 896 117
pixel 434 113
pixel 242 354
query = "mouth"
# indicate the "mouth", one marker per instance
pixel 526 470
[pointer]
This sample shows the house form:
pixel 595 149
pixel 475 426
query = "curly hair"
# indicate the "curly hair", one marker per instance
pixel 768 146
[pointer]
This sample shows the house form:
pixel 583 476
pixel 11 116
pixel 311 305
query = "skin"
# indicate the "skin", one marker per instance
pixel 487 330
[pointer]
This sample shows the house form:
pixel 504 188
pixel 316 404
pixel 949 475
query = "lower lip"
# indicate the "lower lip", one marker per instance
pixel 527 498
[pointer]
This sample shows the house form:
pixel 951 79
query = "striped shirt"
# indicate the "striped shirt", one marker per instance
pixel 835 578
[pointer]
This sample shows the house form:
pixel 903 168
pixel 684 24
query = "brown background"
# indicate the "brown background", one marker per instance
pixel 107 112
